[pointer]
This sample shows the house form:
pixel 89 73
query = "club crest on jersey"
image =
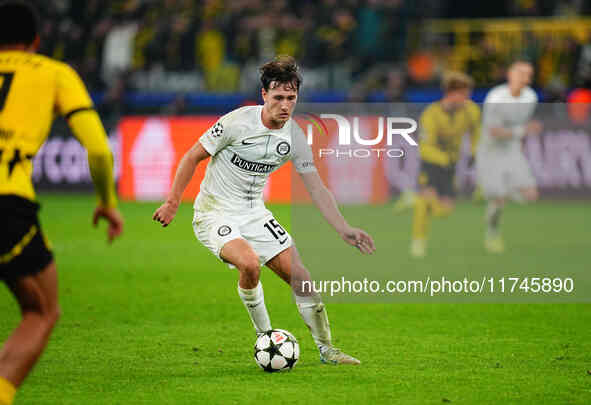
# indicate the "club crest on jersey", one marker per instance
pixel 283 148
pixel 224 230
pixel 217 130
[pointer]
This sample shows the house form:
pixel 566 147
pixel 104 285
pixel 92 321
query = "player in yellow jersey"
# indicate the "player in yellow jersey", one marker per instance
pixel 443 125
pixel 33 89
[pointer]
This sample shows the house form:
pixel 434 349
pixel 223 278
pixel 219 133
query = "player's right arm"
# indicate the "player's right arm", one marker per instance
pixel 184 173
pixel 72 101
pixel 211 142
pixel 492 118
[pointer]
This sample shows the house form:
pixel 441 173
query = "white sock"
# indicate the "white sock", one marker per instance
pixel 314 315
pixel 493 218
pixel 254 301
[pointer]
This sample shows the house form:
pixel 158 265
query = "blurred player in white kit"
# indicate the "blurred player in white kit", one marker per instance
pixel 502 169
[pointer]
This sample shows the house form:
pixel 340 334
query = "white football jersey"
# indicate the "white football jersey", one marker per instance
pixel 501 109
pixel 243 154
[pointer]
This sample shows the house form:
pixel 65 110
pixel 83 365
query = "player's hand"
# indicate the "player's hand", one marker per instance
pixel 113 217
pixel 360 239
pixel 165 214
pixel 534 128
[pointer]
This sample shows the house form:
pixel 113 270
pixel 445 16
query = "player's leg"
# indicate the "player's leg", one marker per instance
pixel 512 179
pixel 442 206
pixel 405 202
pixel 221 235
pixel 421 221
pixel 430 205
pixel 522 183
pixel 289 267
pixel 239 253
pixel 37 296
pixel 494 210
pixel 443 201
pixel 436 199
pixel 521 189
pixel 493 241
pixel 491 173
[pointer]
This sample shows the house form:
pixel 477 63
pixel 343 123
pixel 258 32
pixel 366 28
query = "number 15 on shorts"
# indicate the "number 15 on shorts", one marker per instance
pixel 276 230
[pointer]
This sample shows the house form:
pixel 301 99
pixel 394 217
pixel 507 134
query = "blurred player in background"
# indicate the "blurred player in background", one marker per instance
pixel 443 125
pixel 246 146
pixel 32 89
pixel 502 169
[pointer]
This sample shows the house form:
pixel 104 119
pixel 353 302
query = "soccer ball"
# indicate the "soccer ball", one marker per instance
pixel 276 350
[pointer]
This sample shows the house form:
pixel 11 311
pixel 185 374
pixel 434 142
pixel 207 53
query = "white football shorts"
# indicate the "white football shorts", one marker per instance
pixel 501 175
pixel 259 228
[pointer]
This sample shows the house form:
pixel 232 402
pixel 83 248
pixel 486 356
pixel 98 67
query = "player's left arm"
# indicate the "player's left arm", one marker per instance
pixel 324 200
pixel 74 103
pixel 303 161
pixel 533 126
pixel 492 116
pixel 476 129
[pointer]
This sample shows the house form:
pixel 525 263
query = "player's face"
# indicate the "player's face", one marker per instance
pixel 280 101
pixel 458 98
pixel 520 75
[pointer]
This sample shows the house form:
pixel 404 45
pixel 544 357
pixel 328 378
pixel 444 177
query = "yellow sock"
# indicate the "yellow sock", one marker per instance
pixel 438 209
pixel 7 392
pixel 420 222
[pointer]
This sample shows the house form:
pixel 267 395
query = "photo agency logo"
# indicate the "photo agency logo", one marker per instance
pixel 347 142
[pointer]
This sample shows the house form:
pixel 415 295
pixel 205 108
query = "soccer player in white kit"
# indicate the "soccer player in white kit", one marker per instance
pixel 502 170
pixel 246 146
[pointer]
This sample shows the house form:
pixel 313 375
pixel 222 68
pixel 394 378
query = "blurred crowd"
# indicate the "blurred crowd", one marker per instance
pixel 215 38
pixel 373 44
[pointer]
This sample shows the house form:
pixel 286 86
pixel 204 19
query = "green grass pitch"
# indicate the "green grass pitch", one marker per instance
pixel 155 319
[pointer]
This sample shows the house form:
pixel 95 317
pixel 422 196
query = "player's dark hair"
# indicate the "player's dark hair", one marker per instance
pixel 281 70
pixel 19 23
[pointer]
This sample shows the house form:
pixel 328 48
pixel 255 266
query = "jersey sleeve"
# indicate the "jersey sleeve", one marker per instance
pixel 302 156
pixel 429 149
pixel 73 101
pixel 88 129
pixel 71 94
pixel 218 136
